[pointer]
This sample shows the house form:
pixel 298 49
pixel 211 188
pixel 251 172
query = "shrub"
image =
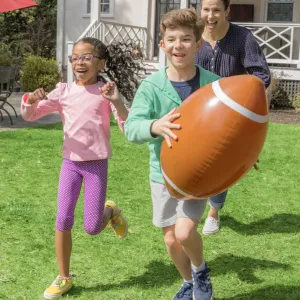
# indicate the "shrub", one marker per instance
pixel 277 96
pixel 296 102
pixel 6 58
pixel 39 72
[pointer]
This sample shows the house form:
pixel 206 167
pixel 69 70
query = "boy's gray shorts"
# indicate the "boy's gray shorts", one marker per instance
pixel 167 209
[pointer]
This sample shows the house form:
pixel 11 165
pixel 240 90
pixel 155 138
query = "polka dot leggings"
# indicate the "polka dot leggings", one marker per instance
pixel 72 174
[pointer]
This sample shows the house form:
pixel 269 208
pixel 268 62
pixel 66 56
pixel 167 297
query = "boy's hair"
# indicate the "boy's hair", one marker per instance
pixel 186 17
pixel 121 65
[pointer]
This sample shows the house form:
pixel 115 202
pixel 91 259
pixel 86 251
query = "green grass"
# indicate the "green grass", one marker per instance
pixel 255 256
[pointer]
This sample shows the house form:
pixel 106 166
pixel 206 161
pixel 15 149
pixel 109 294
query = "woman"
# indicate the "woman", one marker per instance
pixel 227 50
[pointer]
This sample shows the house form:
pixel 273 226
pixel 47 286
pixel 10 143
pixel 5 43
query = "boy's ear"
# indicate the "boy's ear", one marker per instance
pixel 162 45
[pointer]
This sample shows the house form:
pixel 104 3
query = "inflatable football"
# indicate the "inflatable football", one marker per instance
pixel 223 128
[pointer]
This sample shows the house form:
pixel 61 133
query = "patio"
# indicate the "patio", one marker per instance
pixel 15 100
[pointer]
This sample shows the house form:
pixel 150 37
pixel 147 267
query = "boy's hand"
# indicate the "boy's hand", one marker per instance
pixel 37 95
pixel 110 92
pixel 164 125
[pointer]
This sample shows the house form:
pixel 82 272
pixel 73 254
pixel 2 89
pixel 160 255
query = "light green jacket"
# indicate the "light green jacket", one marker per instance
pixel 155 98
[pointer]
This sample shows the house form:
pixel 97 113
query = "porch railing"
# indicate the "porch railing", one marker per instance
pixel 279 42
pixel 110 32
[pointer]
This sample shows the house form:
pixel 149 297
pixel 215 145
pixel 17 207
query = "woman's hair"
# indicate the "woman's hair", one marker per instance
pixel 186 17
pixel 123 65
pixel 226 3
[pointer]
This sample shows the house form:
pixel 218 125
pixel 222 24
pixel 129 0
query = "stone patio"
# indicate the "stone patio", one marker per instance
pixel 15 100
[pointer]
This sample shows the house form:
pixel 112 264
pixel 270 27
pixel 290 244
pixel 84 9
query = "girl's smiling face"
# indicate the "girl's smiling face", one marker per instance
pixel 86 63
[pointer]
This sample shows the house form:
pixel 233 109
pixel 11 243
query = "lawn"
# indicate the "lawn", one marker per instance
pixel 255 256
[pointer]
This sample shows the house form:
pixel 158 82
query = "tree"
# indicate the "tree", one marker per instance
pixel 30 31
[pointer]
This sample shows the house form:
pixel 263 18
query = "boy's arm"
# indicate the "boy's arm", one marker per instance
pixel 31 112
pixel 139 121
pixel 254 60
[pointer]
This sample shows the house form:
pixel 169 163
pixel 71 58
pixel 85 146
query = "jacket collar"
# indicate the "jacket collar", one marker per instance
pixel 161 81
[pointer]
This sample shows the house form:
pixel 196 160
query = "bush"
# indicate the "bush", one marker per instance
pixel 277 96
pixel 6 58
pixel 296 102
pixel 39 72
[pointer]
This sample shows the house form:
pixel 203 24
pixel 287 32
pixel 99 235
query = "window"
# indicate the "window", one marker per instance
pixel 106 7
pixel 280 10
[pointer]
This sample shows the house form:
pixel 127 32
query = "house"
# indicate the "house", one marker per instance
pixel 274 23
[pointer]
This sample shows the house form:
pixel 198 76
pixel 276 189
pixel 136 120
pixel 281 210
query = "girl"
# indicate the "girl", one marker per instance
pixel 85 107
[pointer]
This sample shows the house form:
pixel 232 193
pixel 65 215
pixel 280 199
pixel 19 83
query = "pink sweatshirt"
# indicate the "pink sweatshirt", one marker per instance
pixel 86 119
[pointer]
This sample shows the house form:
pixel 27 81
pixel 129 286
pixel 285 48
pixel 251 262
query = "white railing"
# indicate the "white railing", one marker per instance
pixel 279 42
pixel 110 32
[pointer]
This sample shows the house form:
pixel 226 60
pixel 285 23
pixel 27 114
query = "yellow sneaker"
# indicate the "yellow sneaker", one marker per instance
pixel 60 286
pixel 117 223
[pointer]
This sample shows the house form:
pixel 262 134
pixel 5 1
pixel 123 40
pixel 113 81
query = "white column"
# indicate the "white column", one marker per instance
pixel 60 34
pixel 95 10
pixel 70 75
pixel 183 3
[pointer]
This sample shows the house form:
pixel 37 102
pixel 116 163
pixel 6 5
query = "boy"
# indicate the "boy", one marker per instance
pixel 150 120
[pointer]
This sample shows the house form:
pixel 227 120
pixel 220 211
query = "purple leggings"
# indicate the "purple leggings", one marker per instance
pixel 94 174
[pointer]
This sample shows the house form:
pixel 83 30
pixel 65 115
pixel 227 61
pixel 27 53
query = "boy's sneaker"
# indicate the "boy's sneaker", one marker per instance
pixel 185 292
pixel 117 223
pixel 60 286
pixel 211 225
pixel 202 286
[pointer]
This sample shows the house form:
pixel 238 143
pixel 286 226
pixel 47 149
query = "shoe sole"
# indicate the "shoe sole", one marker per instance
pixel 126 232
pixel 210 232
pixel 212 297
pixel 49 296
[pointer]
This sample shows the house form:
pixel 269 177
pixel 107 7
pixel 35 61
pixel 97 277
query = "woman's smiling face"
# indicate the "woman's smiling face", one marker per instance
pixel 214 14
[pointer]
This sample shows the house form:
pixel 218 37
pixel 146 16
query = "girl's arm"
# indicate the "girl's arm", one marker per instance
pixel 120 111
pixel 38 105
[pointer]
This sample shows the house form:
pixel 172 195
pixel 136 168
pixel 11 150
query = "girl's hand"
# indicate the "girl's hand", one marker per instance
pixel 37 95
pixel 164 125
pixel 111 92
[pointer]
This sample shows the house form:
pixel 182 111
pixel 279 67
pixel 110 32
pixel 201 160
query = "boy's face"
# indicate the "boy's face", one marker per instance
pixel 180 46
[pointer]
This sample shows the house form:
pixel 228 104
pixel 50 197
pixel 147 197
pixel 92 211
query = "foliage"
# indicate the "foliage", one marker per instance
pixel 39 72
pixel 277 96
pixel 31 31
pixel 296 102
pixel 6 58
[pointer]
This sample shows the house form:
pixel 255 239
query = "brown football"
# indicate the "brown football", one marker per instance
pixel 223 129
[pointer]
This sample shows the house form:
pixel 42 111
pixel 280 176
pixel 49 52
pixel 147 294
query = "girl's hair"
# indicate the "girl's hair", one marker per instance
pixel 122 64
pixel 186 17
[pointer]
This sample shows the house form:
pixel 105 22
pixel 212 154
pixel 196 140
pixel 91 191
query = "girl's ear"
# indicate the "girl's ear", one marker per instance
pixel 101 65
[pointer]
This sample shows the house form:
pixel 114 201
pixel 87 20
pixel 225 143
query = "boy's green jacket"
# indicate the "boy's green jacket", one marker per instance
pixel 155 98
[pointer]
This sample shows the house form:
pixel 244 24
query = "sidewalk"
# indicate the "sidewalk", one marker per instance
pixel 15 100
